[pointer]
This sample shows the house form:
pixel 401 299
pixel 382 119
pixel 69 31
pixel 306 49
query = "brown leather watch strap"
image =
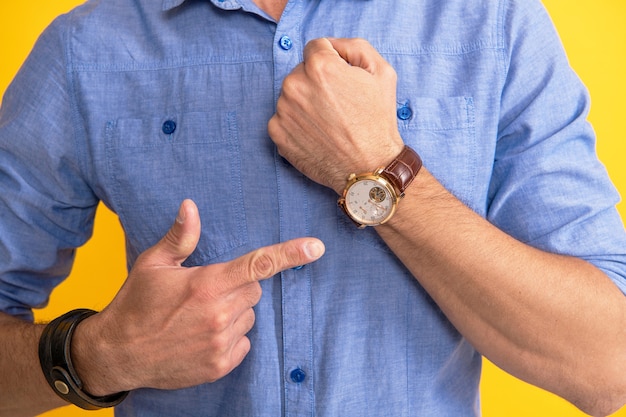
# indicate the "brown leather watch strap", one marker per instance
pixel 402 170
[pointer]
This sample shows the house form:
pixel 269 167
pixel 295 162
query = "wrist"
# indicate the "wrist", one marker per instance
pixel 94 360
pixel 381 156
pixel 57 360
pixel 426 203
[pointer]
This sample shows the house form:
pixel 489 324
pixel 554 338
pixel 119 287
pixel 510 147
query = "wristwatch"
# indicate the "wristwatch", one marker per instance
pixel 371 199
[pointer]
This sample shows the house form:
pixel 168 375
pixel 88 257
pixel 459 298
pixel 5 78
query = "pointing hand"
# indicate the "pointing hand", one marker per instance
pixel 172 327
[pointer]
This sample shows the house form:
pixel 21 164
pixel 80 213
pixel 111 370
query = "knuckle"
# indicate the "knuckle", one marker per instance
pixel 283 107
pixel 273 125
pixel 361 42
pixel 389 73
pixel 239 352
pixel 219 322
pixel 250 295
pixel 244 348
pixel 262 265
pixel 219 345
pixel 249 319
pixel 291 86
pixel 220 367
pixel 223 363
pixel 254 293
pixel 318 64
pixel 292 254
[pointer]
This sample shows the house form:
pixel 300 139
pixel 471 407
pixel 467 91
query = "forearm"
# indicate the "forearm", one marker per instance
pixel 534 314
pixel 23 388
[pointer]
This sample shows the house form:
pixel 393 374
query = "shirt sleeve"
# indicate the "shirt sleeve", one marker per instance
pixel 46 208
pixel 548 188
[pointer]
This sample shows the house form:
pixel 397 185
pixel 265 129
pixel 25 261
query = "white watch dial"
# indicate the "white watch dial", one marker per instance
pixel 369 202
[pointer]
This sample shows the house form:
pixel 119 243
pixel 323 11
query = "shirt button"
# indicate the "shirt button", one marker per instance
pixel 285 42
pixel 405 113
pixel 168 127
pixel 297 375
pixel 297 268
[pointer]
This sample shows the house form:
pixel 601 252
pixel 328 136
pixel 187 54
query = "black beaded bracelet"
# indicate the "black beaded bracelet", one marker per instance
pixel 56 363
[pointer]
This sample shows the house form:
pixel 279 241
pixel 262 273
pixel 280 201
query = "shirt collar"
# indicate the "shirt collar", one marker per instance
pixel 170 4
pixel 222 4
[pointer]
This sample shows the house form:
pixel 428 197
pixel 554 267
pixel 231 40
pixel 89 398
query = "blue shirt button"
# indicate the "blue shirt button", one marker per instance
pixel 168 127
pixel 297 375
pixel 405 113
pixel 297 268
pixel 285 43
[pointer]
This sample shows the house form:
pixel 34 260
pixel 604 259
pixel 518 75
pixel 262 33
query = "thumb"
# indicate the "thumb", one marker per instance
pixel 181 240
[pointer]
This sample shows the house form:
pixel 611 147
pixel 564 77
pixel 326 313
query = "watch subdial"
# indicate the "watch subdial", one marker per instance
pixel 377 195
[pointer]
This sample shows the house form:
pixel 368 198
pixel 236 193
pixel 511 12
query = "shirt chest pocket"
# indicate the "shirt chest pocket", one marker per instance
pixel 155 162
pixel 442 131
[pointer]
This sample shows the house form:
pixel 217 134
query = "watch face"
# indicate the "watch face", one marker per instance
pixel 369 202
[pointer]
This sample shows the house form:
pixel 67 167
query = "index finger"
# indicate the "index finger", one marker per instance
pixel 267 261
pixel 359 53
pixel 320 45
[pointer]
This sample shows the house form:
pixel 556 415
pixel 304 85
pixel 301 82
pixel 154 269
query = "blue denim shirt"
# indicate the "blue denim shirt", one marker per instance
pixel 140 104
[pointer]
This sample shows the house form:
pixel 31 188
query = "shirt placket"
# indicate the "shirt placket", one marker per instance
pixel 297 332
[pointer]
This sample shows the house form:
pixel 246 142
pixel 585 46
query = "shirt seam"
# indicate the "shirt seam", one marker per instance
pixel 79 145
pixel 503 46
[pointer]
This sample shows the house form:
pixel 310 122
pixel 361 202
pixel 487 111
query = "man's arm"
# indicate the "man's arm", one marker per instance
pixel 554 321
pixel 161 304
pixel 24 391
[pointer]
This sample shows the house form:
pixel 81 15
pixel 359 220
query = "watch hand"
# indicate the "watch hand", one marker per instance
pixel 378 206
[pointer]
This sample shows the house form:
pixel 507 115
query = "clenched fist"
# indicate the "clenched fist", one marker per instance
pixel 337 112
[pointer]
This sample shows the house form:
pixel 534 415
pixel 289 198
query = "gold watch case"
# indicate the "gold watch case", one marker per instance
pixel 369 199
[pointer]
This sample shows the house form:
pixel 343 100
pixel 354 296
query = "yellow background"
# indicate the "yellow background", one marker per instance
pixel 594 34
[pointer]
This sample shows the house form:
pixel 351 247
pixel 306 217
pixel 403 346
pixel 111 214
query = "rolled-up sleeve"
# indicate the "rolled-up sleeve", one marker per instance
pixel 46 206
pixel 549 189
